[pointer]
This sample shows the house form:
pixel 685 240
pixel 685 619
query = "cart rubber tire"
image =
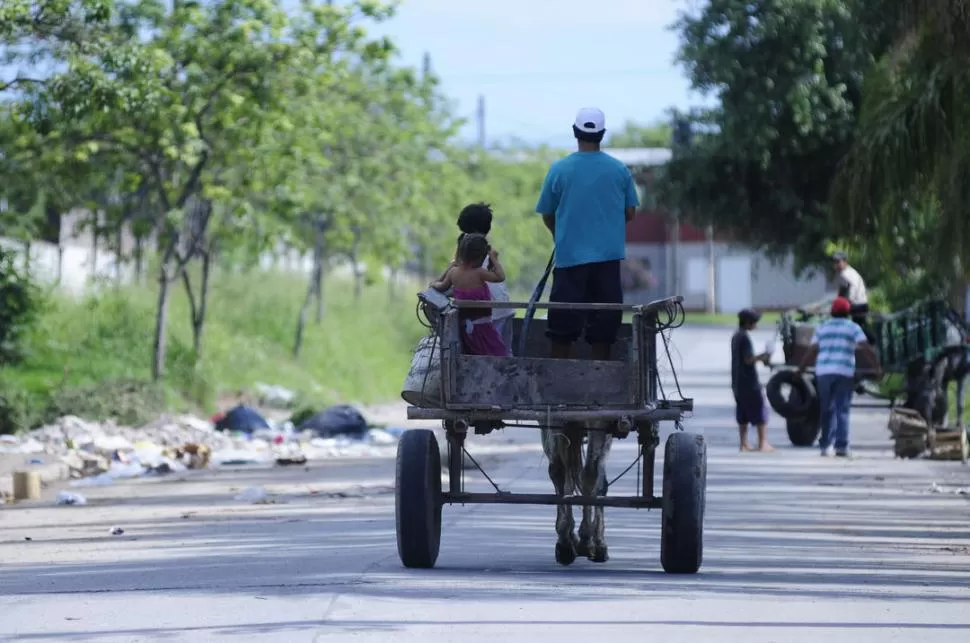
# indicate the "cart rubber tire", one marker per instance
pixel 684 498
pixel 802 399
pixel 417 499
pixel 804 431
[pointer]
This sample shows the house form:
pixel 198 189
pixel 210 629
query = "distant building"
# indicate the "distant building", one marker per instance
pixel 665 257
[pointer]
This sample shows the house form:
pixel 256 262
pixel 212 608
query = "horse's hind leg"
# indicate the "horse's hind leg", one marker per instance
pixel 592 531
pixel 556 446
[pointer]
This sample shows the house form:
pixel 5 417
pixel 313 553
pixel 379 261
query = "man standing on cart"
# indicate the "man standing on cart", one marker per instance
pixel 852 287
pixel 586 201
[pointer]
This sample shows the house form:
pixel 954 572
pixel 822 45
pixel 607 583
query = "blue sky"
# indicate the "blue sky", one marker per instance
pixel 537 61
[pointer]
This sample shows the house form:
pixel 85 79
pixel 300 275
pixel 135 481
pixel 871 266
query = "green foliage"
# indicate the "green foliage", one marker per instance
pixel 129 402
pixel 904 175
pixel 88 355
pixel 788 76
pixel 19 303
pixel 303 414
pixel 633 134
pixel 215 133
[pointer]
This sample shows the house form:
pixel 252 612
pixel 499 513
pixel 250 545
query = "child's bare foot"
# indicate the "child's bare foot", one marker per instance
pixel 745 447
pixel 766 448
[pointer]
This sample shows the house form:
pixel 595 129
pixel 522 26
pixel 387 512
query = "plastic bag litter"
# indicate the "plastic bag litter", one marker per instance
pixel 380 437
pixel 68 498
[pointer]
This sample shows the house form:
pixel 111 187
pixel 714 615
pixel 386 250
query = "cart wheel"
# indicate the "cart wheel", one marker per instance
pixel 417 498
pixel 803 431
pixel 684 495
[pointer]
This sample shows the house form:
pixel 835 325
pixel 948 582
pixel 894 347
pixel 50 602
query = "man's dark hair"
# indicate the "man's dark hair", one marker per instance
pixel 841 315
pixel 588 137
pixel 475 219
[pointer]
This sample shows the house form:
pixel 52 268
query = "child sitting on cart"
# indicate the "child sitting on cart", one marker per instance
pixel 470 282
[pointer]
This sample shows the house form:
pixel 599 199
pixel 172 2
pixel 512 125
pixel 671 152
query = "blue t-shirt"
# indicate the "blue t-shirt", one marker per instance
pixel 588 193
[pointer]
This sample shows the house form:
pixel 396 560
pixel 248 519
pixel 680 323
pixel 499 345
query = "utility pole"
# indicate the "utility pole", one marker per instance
pixel 426 65
pixel 480 117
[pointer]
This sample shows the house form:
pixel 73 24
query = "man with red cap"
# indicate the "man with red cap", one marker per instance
pixel 833 349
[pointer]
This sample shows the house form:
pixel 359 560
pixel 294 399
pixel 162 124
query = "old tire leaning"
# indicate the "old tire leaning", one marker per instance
pixel 803 395
pixel 804 431
pixel 684 498
pixel 417 499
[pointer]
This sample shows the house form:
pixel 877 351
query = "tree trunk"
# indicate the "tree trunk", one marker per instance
pixel 94 247
pixel 354 264
pixel 139 261
pixel 358 283
pixel 119 240
pixel 198 306
pixel 317 281
pixel 161 322
pixel 312 291
pixel 60 263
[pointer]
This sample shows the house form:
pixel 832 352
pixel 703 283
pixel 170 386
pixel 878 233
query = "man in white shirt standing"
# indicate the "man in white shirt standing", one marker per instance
pixel 852 286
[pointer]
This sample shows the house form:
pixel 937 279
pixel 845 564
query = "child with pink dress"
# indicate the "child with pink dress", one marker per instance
pixel 470 282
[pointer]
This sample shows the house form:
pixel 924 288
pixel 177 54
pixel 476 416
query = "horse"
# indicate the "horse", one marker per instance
pixel 571 473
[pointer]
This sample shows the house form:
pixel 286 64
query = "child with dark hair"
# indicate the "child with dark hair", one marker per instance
pixel 476 218
pixel 470 281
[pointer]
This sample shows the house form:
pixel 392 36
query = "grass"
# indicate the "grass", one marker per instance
pixel 360 352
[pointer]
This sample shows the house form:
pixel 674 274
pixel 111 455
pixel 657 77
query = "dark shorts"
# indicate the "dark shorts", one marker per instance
pixel 750 408
pixel 589 283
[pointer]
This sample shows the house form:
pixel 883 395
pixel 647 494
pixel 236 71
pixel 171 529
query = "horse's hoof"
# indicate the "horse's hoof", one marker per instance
pixel 582 549
pixel 599 554
pixel 565 553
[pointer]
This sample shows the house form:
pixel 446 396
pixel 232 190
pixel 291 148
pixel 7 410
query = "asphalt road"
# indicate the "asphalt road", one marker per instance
pixel 798 548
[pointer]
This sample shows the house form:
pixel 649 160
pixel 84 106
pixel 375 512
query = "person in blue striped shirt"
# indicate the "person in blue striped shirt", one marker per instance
pixel 833 349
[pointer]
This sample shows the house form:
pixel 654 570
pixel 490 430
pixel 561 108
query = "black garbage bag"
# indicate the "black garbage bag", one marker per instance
pixel 340 419
pixel 242 418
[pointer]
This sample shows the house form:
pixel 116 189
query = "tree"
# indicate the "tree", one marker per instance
pixel 632 134
pixel 788 77
pixel 908 164
pixel 204 89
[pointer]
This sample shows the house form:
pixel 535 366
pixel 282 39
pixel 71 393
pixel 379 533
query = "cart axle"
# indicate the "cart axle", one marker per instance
pixel 629 502
pixel 672 412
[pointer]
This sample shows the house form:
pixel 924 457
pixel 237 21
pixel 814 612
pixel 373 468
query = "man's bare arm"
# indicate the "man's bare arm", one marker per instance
pixel 550 221
pixel 630 212
pixel 808 357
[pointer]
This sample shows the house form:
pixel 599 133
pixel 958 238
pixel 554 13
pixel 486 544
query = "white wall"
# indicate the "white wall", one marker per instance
pixel 773 285
pixel 79 267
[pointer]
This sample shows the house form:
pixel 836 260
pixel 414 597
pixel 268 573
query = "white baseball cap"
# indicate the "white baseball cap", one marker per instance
pixel 590 120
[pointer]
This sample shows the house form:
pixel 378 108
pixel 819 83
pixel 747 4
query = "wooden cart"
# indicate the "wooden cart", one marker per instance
pixel 907 342
pixel 623 395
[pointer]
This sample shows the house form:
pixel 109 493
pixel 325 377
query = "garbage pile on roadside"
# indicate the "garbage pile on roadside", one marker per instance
pixel 102 452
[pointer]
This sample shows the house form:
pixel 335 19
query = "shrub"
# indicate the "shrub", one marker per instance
pixel 19 305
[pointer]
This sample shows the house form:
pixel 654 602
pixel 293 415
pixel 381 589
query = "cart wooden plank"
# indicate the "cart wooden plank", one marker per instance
pixel 535 382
